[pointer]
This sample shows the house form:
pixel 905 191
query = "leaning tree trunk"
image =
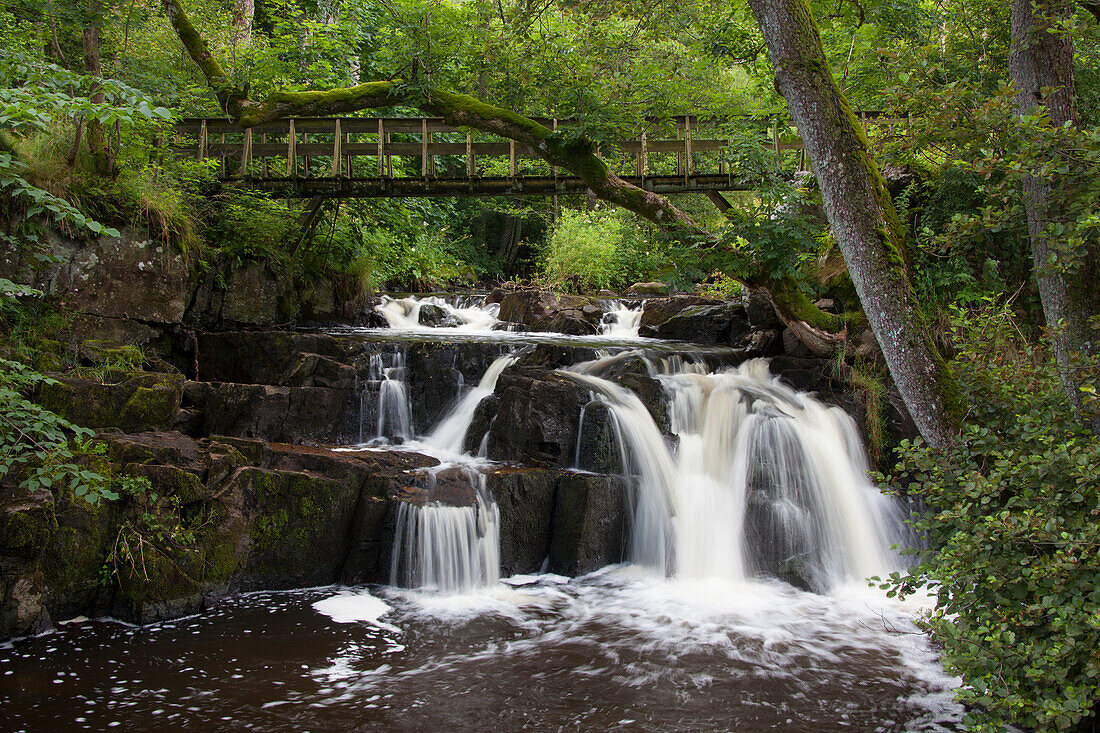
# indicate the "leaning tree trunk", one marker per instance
pixel 1041 66
pixel 861 214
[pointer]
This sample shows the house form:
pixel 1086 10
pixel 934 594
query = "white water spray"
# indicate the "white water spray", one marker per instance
pixel 620 321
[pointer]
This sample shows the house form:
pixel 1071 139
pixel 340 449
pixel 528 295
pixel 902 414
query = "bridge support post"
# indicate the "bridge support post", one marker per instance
pixel 292 152
pixel 336 150
pixel 381 149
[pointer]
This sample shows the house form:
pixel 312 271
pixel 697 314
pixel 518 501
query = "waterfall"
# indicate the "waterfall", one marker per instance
pixel 764 479
pixel 394 413
pixel 620 321
pixel 451 549
pixel 448 549
pixel 450 434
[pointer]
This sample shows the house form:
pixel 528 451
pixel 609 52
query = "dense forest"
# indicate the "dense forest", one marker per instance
pixel 958 250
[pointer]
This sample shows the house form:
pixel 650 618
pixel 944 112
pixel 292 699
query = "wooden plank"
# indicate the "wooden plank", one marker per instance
pixel 203 140
pixel 246 153
pixel 423 148
pixel 470 167
pixel 645 157
pixel 687 148
pixel 512 157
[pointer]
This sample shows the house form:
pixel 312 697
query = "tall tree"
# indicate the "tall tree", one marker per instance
pixel 1041 66
pixel 861 214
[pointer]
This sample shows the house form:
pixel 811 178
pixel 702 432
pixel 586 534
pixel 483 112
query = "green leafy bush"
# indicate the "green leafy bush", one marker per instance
pixel 1013 524
pixel 38 450
pixel 601 249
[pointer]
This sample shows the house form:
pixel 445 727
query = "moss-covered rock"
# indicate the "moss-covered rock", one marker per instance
pixel 139 401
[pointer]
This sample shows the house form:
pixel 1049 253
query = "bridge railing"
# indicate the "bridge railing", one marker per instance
pixel 390 148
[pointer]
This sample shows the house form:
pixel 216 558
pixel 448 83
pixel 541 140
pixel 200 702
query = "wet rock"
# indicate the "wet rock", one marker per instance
pixel 759 310
pixel 808 374
pixel 539 310
pixel 658 310
pixel 280 413
pixel 589 523
pixel 537 418
pixel 652 288
pixel 551 356
pixel 597 442
pixel 766 343
pixel 793 346
pixel 525 499
pixel 437 374
pixel 431 315
pixel 140 401
pixel 723 323
pixel 318 370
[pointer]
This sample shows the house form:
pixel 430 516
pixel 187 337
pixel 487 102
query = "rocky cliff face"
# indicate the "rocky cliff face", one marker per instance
pixel 236 429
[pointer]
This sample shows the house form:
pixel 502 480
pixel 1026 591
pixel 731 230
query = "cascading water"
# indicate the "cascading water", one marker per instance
pixel 619 320
pixel 448 549
pixel 450 434
pixel 444 548
pixel 464 314
pixel 394 413
pixel 764 479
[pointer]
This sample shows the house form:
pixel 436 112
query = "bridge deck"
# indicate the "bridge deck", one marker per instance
pixel 371 157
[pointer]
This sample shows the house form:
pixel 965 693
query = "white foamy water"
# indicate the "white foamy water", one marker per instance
pixel 620 321
pixel 763 479
pixel 450 434
pixel 471 317
pixel 349 607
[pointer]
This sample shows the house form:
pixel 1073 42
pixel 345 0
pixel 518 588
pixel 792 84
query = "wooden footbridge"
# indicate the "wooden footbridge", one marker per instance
pixel 366 157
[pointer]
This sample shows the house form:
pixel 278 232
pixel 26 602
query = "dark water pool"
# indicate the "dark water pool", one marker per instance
pixel 614 650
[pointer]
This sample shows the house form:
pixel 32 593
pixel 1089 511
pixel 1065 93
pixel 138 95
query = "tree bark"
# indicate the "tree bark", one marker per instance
pixel 1041 66
pixel 861 215
pixel 96 136
pixel 244 12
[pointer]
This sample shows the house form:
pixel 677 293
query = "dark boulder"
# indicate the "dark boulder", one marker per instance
pixel 589 525
pixel 539 310
pixel 759 310
pixel 723 323
pixel 658 310
pixel 537 417
pixel 525 499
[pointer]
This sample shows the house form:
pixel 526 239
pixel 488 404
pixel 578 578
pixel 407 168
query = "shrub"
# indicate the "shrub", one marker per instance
pixel 601 249
pixel 1013 524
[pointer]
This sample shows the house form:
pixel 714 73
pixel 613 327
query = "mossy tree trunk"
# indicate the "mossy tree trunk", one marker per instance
pixel 1041 66
pixel 823 332
pixel 861 214
pixel 98 140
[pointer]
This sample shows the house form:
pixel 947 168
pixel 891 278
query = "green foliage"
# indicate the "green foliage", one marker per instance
pixel 589 251
pixel 39 451
pixel 1013 524
pixel 153 534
